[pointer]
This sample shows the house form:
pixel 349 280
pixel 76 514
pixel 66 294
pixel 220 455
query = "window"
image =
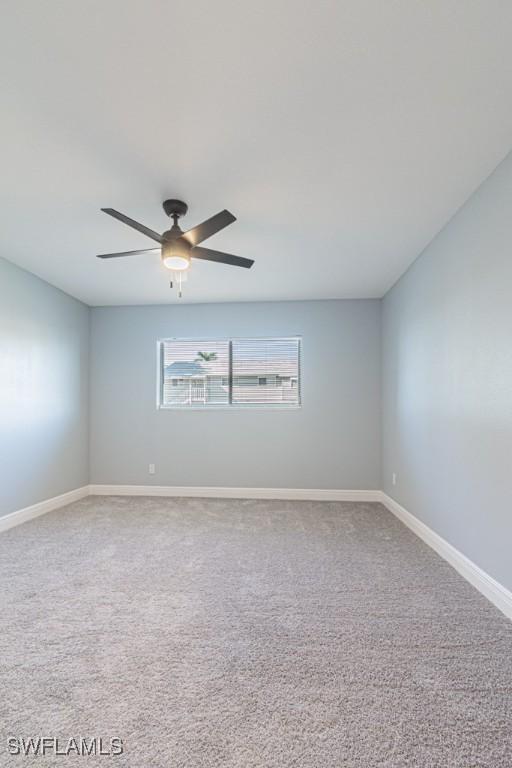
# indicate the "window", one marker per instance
pixel 199 373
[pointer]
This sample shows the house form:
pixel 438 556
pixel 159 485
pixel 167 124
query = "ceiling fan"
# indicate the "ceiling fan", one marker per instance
pixel 177 248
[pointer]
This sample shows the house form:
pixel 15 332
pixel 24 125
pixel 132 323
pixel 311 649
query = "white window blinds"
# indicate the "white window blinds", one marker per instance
pixel 197 373
pixel 265 371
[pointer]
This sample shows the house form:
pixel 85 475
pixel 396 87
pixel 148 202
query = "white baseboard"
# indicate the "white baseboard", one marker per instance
pixel 293 494
pixel 499 595
pixel 22 515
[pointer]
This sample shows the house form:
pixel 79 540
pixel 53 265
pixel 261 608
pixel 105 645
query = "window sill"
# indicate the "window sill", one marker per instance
pixel 211 408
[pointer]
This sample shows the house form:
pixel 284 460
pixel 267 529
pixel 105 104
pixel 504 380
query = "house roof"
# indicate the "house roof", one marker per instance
pixel 265 368
pixel 183 368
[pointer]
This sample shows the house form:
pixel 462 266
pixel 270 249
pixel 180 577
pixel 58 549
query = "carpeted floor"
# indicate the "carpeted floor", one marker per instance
pixel 247 634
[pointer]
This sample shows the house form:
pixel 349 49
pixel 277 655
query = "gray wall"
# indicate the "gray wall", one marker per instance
pixel 333 441
pixel 44 338
pixel 447 381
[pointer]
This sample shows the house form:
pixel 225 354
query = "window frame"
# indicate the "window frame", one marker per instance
pixel 230 406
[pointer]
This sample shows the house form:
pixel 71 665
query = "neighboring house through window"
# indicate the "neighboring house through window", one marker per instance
pixel 229 372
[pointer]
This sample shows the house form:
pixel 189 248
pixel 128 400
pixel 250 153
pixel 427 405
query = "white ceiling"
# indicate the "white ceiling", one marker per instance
pixel 343 134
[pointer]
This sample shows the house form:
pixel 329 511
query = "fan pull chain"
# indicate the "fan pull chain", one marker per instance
pixel 179 278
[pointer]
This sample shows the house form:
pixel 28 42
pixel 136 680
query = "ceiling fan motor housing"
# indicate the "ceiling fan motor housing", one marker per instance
pixel 174 251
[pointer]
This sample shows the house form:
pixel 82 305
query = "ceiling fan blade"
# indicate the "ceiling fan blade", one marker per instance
pixel 126 253
pixel 134 224
pixel 222 258
pixel 209 227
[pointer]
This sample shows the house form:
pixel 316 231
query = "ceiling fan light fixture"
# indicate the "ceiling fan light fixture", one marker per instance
pixel 176 262
pixel 175 253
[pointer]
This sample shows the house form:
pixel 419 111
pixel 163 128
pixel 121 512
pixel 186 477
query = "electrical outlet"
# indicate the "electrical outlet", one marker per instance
pixel 393 478
pixel 151 469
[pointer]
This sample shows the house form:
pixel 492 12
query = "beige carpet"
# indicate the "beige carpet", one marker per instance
pixel 248 634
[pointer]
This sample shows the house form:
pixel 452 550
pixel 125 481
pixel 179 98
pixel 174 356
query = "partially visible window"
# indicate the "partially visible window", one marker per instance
pixel 231 372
